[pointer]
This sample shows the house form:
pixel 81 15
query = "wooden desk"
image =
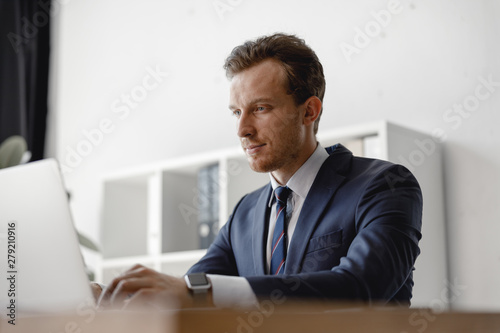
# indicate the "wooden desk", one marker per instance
pixel 289 318
pixel 308 318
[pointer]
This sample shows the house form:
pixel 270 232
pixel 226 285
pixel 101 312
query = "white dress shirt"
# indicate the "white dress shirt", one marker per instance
pixel 235 291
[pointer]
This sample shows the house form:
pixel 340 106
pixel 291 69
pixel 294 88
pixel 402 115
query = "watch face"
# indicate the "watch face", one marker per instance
pixel 198 279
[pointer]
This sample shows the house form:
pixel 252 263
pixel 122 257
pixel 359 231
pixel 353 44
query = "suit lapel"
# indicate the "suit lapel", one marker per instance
pixel 260 229
pixel 323 189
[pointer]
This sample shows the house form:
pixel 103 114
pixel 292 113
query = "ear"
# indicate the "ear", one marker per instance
pixel 312 110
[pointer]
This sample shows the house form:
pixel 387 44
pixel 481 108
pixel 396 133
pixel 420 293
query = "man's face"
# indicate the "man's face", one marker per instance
pixel 269 123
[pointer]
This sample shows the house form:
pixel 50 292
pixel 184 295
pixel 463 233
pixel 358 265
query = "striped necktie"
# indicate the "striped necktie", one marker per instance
pixel 278 252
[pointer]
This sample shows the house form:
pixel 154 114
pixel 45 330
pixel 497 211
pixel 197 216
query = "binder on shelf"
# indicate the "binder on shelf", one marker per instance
pixel 208 209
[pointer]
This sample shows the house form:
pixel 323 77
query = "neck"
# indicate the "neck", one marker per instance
pixel 284 174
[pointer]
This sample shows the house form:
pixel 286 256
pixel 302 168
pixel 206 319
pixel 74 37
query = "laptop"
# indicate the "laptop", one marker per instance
pixel 41 264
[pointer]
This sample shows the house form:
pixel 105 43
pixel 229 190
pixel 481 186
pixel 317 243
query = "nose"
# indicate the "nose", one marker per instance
pixel 245 125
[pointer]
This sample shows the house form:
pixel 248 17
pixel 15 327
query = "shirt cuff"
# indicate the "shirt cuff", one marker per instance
pixel 232 291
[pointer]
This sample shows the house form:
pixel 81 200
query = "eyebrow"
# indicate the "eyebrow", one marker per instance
pixel 255 101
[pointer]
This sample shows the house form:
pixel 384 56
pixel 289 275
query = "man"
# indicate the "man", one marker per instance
pixel 341 228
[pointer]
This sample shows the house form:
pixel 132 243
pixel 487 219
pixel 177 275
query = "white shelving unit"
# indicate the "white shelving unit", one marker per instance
pixel 149 213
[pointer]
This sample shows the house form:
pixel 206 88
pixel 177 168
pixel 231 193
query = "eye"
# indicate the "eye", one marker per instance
pixel 237 113
pixel 261 108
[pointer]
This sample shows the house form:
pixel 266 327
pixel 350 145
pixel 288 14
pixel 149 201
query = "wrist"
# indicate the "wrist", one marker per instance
pixel 200 289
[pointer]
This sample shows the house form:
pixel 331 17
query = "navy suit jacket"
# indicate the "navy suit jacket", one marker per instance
pixel 356 237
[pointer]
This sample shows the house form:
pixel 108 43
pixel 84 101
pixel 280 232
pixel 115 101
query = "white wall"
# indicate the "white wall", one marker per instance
pixel 429 57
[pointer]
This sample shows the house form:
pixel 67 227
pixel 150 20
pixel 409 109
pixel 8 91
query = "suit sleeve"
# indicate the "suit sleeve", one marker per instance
pixel 219 258
pixel 381 256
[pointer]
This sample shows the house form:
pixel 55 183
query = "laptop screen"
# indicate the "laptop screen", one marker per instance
pixel 39 250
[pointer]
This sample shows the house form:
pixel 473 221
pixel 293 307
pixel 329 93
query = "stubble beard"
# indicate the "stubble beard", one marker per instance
pixel 280 156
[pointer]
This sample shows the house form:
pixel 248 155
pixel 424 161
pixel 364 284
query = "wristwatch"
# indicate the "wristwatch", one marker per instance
pixel 199 285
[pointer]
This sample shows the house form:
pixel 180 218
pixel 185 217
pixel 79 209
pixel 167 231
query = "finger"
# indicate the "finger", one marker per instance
pixel 135 268
pixel 135 271
pixel 127 288
pixel 114 293
pixel 103 300
pixel 96 290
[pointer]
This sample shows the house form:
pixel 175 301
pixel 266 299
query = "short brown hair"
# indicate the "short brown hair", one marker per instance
pixel 302 67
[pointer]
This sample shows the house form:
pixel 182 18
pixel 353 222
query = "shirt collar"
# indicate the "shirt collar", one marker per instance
pixel 301 181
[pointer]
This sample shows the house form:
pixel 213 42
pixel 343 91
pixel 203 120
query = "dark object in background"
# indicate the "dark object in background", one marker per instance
pixel 24 71
pixel 208 217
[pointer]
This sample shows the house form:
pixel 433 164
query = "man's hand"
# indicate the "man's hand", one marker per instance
pixel 96 290
pixel 141 287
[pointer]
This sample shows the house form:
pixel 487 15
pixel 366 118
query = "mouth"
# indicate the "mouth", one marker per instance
pixel 253 149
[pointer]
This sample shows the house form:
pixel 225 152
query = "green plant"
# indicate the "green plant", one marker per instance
pixel 12 151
